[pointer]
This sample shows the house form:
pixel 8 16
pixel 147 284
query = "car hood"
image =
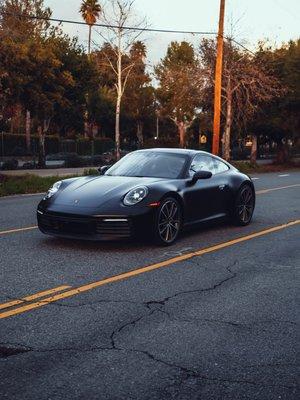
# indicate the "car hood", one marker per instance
pixel 96 191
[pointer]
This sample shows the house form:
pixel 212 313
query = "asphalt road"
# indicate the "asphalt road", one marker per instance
pixel 218 324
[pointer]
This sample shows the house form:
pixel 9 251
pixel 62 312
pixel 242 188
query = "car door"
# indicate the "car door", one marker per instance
pixel 201 197
pixel 221 178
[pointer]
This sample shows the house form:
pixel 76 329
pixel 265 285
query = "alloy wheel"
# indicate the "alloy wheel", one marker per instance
pixel 245 205
pixel 169 221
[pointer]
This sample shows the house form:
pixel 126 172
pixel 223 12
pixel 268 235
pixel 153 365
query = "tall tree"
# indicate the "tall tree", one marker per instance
pixel 75 62
pixel 118 41
pixel 42 70
pixel 279 120
pixel 139 94
pixel 180 86
pixel 90 11
pixel 247 84
pixel 18 31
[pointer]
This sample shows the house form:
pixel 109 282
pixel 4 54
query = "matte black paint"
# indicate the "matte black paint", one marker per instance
pixel 87 201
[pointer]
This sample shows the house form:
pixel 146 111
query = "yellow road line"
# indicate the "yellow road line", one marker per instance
pixel 33 296
pixel 277 188
pixel 143 270
pixel 29 228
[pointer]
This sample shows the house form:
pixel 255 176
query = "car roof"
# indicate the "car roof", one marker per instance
pixel 189 152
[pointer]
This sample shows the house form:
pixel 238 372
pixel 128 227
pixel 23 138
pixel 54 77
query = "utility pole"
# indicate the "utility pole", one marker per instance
pixel 218 81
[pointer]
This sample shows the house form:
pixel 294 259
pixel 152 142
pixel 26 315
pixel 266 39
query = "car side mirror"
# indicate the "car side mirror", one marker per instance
pixel 103 169
pixel 200 175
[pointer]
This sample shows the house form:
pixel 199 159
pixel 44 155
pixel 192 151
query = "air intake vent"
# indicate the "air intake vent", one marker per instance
pixel 114 227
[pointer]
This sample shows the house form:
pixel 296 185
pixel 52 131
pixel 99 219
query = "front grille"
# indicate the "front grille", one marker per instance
pixel 83 225
pixel 112 227
pixel 64 224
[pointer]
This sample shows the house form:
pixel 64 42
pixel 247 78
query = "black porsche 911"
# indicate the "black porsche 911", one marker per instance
pixel 153 193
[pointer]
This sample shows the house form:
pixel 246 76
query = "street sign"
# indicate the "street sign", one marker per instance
pixel 203 139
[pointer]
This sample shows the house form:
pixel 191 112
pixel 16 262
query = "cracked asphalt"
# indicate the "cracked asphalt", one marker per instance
pixel 224 325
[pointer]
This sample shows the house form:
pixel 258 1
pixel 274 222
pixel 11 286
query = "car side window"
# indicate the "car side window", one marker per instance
pixel 202 163
pixel 220 166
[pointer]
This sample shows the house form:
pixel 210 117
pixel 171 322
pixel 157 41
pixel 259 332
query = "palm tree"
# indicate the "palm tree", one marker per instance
pixel 90 11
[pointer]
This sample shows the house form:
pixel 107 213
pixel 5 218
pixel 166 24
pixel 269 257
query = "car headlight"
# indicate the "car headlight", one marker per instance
pixel 54 189
pixel 135 195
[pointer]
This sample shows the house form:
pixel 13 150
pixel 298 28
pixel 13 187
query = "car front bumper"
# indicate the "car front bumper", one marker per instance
pixel 95 227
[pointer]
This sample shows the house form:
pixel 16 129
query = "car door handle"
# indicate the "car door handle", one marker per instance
pixel 222 187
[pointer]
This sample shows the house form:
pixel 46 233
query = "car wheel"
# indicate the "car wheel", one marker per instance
pixel 244 206
pixel 168 222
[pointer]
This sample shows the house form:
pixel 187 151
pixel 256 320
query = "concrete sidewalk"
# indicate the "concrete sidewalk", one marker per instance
pixel 47 172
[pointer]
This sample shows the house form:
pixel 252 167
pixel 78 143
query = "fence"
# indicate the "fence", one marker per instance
pixel 14 145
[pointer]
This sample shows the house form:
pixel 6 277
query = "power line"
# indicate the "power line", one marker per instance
pixel 240 44
pixel 132 28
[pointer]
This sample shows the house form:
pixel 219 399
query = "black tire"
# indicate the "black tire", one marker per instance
pixel 168 222
pixel 243 207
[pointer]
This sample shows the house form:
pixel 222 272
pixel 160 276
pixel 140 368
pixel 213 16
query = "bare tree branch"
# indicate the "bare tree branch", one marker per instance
pixel 120 40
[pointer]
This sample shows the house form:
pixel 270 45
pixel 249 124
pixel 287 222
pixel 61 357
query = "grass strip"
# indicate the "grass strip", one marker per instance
pixel 24 184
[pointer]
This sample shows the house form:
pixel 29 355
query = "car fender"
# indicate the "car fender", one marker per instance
pixel 236 182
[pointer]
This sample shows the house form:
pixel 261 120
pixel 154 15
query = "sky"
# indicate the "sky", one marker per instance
pixel 250 21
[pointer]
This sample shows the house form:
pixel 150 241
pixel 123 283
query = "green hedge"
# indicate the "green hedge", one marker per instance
pixel 13 145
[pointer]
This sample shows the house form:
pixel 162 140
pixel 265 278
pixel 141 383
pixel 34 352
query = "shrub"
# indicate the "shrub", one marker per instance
pixel 90 171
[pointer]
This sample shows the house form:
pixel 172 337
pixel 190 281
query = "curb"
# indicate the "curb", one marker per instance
pixel 21 195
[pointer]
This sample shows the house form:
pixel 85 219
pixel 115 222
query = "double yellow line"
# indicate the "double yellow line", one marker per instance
pixel 33 297
pixel 75 291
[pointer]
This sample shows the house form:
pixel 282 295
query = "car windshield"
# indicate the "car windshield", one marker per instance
pixel 149 164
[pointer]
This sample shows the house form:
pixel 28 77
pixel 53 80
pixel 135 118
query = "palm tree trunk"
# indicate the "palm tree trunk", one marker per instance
pixel 90 38
pixel 87 119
